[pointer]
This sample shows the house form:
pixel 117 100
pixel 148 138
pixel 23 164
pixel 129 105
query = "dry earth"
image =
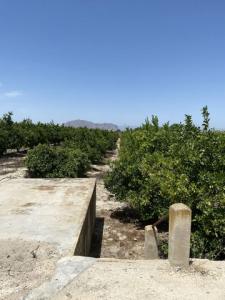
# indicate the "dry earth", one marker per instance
pixel 24 266
pixel 12 166
pixel 118 234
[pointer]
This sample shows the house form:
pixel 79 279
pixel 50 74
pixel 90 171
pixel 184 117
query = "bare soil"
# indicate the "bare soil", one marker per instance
pixel 23 266
pixel 12 166
pixel 118 233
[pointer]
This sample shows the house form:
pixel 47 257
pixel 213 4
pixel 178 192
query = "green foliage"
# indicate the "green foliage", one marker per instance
pixel 56 162
pixel 159 166
pixel 94 142
pixel 26 134
pixel 56 151
pixel 3 141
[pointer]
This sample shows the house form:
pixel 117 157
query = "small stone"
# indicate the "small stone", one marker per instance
pixel 69 295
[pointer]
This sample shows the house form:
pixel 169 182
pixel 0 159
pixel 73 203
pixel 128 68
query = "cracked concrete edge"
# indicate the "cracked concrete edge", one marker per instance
pixel 67 269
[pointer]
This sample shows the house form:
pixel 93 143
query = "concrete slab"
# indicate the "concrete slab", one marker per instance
pixel 67 269
pixel 48 210
pixel 154 279
pixel 42 220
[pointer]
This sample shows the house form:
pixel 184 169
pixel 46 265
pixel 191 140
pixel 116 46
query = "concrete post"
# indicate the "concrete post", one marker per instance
pixel 179 234
pixel 150 246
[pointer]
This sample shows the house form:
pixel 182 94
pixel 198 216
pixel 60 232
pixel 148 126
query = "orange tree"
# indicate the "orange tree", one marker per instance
pixel 161 165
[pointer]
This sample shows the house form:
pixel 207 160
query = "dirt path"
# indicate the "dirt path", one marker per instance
pixel 117 234
pixel 12 166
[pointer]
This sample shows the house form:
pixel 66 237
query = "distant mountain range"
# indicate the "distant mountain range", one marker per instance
pixel 88 124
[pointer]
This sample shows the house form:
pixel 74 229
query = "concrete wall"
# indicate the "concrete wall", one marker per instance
pixel 84 242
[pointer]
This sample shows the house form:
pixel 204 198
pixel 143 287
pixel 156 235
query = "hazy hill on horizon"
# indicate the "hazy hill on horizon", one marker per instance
pixel 89 124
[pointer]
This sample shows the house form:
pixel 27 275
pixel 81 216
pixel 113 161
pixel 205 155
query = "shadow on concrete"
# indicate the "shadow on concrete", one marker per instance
pixel 96 243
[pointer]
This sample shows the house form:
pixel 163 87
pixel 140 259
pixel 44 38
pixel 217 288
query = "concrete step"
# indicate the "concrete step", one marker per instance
pixel 89 278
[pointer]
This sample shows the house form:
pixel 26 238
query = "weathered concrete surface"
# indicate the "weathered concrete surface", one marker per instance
pixel 41 220
pixel 150 246
pixel 179 234
pixel 67 269
pixel 153 279
pixel 48 210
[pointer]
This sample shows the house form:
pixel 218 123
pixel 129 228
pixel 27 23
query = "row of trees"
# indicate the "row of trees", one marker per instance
pixel 55 150
pixel 162 165
pixel 17 135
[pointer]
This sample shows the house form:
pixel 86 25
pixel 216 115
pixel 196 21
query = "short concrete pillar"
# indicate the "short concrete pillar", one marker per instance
pixel 150 246
pixel 179 234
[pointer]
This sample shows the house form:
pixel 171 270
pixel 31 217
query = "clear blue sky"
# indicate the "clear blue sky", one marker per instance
pixel 116 60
